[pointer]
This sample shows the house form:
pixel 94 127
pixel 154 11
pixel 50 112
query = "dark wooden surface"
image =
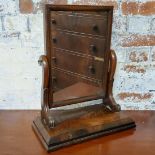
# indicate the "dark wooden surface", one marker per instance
pixel 77 90
pixel 18 138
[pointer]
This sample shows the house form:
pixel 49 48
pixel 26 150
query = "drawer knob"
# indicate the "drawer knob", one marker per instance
pixel 54 40
pixel 92 69
pixel 93 48
pixel 95 27
pixel 54 59
pixel 53 21
pixel 54 79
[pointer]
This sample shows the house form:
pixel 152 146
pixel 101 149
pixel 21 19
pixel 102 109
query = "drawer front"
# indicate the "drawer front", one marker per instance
pixel 80 22
pixel 86 66
pixel 63 79
pixel 79 43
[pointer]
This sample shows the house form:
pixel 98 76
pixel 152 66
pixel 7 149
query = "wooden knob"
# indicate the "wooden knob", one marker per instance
pixel 54 59
pixel 53 21
pixel 54 40
pixel 95 27
pixel 92 69
pixel 54 79
pixel 40 62
pixel 93 48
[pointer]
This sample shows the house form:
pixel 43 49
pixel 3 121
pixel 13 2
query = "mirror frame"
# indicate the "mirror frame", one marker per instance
pixel 47 91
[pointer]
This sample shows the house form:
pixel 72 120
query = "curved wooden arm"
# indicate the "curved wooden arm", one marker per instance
pixel 44 63
pixel 45 85
pixel 112 68
pixel 109 96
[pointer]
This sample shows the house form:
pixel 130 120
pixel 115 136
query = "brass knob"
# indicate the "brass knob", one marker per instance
pixel 53 21
pixel 95 27
pixel 92 69
pixel 93 48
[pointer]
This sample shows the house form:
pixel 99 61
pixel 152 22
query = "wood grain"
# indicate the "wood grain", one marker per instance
pixel 77 125
pixel 17 137
pixel 77 40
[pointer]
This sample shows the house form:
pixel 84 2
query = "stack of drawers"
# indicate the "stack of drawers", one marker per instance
pixel 78 47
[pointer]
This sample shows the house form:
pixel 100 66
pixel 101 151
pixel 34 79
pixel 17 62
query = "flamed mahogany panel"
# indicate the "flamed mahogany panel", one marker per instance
pixel 77 46
pixel 78 63
pixel 80 22
pixel 76 91
pixel 79 43
pixel 63 79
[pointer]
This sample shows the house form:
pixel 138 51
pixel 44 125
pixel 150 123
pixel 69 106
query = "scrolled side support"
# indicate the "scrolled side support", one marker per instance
pixel 110 101
pixel 43 61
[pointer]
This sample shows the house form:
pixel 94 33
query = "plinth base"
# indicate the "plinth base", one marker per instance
pixel 81 129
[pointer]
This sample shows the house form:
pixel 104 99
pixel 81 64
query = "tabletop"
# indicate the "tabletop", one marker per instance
pixel 18 138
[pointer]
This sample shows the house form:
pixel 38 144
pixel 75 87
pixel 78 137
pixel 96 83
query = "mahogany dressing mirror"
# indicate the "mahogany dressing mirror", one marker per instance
pixel 78 66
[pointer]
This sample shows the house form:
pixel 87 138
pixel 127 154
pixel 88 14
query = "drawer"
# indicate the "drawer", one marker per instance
pixel 62 79
pixel 79 64
pixel 80 22
pixel 79 43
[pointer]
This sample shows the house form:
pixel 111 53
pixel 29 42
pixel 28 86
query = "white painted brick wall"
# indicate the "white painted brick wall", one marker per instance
pixel 8 7
pixel 138 24
pixel 21 44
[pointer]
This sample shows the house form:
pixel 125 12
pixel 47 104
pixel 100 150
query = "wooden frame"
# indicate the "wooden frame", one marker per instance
pixel 59 128
pixel 46 90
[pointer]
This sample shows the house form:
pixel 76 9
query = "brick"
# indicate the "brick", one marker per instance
pixel 147 8
pixel 132 82
pixel 26 6
pixel 137 82
pixel 97 2
pixel 134 57
pixel 38 4
pixel 139 25
pixel 138 40
pixel 134 69
pixel 115 40
pixel 119 24
pixel 136 77
pixel 1 8
pixel 134 96
pixel 15 23
pixel 153 54
pixel 138 54
pixel 10 39
pixel 32 39
pixel 8 7
pixel 1 24
pixel 137 8
pixel 118 85
pixel 129 8
pixel 153 25
pixel 33 19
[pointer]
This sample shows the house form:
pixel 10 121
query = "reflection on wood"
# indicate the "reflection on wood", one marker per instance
pixel 76 91
pixel 94 123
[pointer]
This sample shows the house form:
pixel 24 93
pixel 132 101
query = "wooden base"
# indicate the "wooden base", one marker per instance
pixel 81 129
